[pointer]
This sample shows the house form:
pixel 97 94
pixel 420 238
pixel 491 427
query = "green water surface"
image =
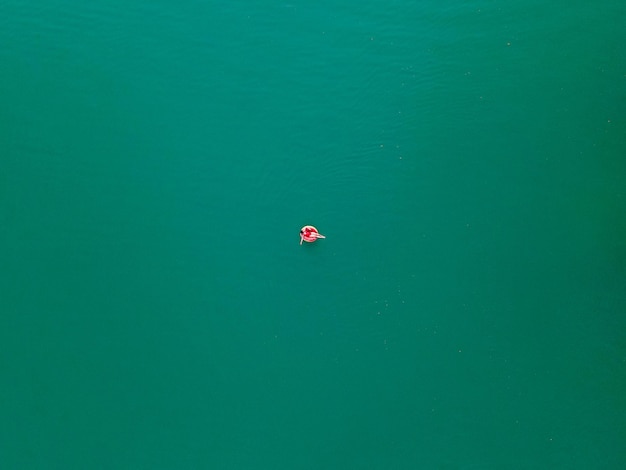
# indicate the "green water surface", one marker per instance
pixel 465 160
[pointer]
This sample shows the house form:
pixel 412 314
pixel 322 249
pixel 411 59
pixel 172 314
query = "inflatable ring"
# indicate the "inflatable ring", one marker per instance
pixel 308 233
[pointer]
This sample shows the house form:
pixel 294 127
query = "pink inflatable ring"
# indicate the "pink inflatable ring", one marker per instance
pixel 308 233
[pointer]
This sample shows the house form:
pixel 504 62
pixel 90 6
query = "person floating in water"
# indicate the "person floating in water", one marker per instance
pixel 308 233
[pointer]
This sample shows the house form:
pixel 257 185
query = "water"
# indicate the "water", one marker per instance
pixel 465 161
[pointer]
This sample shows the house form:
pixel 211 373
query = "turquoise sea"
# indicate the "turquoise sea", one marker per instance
pixel 466 161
